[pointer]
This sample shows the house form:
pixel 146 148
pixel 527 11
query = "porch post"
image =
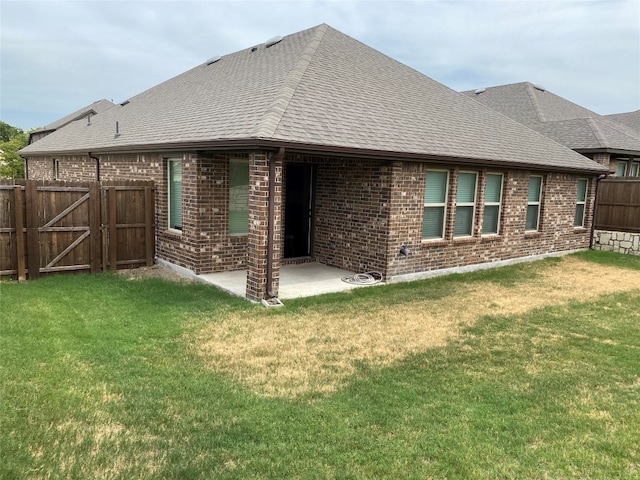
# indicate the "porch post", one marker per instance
pixel 258 285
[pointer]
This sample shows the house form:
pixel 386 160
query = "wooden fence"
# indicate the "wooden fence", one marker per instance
pixel 618 205
pixel 48 226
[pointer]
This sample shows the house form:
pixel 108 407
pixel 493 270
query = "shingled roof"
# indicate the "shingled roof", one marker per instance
pixel 630 119
pixel 559 119
pixel 92 109
pixel 316 90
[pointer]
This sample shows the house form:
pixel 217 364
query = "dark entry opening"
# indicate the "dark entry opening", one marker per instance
pixel 298 222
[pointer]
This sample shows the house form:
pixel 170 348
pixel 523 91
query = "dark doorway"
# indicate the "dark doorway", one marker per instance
pixel 298 221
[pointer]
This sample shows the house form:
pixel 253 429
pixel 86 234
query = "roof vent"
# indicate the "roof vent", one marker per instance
pixel 253 49
pixel 124 103
pixel 272 41
pixel 480 90
pixel 213 59
pixel 537 86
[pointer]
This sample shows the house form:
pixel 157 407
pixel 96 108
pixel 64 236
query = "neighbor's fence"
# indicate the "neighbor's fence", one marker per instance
pixel 48 226
pixel 617 216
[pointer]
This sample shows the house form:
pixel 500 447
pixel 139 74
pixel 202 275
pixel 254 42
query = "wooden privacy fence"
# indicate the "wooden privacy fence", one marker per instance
pixel 618 205
pixel 48 226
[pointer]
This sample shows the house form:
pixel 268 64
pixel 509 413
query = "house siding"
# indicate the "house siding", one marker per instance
pixel 556 231
pixel 364 211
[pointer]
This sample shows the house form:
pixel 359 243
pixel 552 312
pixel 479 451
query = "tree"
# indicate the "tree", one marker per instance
pixel 12 139
pixel 7 131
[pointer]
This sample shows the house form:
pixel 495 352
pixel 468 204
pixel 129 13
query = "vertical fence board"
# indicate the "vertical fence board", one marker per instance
pixel 33 238
pixel 149 209
pixel 18 200
pixel 94 227
pixel 113 229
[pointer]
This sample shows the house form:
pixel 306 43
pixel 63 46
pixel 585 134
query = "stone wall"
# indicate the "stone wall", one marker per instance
pixel 620 242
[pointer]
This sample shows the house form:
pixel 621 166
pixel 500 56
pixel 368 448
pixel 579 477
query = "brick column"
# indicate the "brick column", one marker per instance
pixel 259 226
pixel 602 158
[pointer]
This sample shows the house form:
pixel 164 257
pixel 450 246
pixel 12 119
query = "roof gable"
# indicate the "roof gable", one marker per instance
pixel 318 87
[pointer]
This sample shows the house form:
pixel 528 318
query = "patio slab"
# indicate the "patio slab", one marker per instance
pixel 301 280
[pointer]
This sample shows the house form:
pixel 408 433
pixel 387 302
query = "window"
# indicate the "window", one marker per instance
pixel 533 203
pixel 581 202
pixel 174 176
pixel 56 169
pixel 435 204
pixel 492 203
pixel 622 169
pixel 238 197
pixel 465 204
pixel 635 169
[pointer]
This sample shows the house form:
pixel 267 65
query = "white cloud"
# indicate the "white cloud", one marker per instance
pixel 60 56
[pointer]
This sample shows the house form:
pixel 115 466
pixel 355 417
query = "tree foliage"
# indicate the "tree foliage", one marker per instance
pixel 12 139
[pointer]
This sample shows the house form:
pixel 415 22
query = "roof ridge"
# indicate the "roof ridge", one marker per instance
pixel 597 132
pixel 270 121
pixel 534 101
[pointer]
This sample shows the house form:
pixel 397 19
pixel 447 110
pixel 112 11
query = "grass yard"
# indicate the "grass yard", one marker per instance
pixel 530 371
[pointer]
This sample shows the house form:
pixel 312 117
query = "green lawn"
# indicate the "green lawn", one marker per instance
pixel 100 379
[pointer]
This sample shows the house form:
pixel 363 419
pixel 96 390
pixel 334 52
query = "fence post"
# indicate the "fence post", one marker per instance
pixel 95 239
pixel 113 230
pixel 18 200
pixel 149 215
pixel 33 237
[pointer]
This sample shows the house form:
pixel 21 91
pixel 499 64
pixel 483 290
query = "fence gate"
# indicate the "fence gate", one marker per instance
pixel 48 227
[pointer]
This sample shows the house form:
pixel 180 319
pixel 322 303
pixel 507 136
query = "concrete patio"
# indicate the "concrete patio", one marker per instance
pixel 301 280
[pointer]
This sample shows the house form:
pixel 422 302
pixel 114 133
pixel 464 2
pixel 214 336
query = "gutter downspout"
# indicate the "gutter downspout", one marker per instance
pixel 273 158
pixel 97 159
pixel 595 204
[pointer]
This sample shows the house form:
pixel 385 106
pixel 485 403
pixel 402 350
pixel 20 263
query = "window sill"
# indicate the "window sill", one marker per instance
pixel 580 229
pixel 173 231
pixel 532 234
pixel 436 242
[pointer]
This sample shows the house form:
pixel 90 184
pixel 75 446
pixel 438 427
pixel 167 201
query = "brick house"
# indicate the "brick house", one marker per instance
pixel 316 147
pixel 612 140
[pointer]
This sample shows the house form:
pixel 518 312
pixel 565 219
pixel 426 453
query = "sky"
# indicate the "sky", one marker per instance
pixel 57 57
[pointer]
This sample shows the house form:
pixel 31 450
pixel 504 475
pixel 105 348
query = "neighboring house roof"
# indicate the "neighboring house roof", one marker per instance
pixel 316 90
pixel 93 109
pixel 630 119
pixel 559 119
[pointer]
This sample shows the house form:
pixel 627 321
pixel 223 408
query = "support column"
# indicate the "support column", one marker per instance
pixel 258 285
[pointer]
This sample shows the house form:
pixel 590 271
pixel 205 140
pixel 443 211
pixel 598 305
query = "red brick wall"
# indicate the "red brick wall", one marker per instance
pixel 556 231
pixel 364 211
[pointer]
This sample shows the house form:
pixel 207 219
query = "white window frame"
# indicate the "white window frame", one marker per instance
pixel 625 165
pixel 493 204
pixel 438 205
pixel 170 227
pixel 466 205
pixel 243 161
pixel 582 202
pixel 635 169
pixel 537 203
pixel 56 169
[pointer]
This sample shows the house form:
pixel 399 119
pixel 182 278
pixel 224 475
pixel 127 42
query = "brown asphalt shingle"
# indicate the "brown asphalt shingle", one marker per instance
pixel 317 87
pixel 559 119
